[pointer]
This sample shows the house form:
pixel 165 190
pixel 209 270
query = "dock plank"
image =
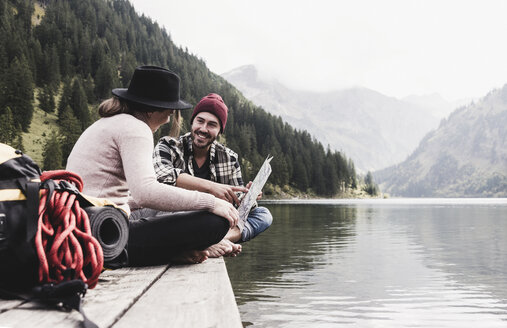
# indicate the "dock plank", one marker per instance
pixel 9 304
pixel 114 295
pixel 197 295
pixel 187 296
pixel 118 291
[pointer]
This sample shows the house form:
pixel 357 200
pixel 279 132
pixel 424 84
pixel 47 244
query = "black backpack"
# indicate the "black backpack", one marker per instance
pixel 26 270
pixel 19 203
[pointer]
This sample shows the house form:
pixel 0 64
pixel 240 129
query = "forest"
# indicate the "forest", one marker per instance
pixel 64 56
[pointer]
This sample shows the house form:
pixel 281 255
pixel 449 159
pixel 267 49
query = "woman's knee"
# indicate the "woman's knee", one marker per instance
pixel 218 224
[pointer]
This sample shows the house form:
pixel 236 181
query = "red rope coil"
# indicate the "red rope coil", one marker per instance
pixel 64 243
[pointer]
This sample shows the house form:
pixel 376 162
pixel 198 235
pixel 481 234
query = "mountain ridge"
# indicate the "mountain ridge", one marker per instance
pixel 465 157
pixel 375 130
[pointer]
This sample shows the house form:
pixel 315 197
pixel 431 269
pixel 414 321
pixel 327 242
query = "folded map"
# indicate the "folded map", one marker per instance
pixel 254 191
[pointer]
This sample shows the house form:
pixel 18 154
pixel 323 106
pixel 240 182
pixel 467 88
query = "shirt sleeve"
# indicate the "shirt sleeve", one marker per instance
pixel 136 152
pixel 167 161
pixel 227 168
pixel 236 178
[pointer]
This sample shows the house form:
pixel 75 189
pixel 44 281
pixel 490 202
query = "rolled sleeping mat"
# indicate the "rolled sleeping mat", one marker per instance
pixel 110 227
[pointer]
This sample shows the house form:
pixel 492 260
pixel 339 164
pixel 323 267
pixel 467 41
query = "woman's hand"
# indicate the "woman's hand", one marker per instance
pixel 225 209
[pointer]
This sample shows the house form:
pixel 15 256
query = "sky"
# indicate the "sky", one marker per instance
pixel 456 48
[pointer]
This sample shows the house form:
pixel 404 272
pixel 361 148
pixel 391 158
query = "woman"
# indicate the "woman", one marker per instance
pixel 114 158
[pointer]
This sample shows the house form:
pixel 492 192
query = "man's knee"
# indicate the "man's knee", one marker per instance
pixel 258 220
pixel 267 216
pixel 263 215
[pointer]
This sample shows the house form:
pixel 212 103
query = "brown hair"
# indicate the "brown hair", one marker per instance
pixel 115 105
pixel 175 124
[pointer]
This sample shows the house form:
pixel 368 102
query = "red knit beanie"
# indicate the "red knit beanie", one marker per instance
pixel 213 104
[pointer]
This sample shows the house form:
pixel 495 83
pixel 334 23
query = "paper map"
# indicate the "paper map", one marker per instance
pixel 254 191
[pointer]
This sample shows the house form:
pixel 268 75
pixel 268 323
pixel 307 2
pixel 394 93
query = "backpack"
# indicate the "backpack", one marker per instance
pixel 19 200
pixel 45 235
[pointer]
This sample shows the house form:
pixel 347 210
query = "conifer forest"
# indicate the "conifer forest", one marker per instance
pixel 63 57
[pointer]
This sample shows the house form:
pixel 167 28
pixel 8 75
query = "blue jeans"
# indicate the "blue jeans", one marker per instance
pixel 258 220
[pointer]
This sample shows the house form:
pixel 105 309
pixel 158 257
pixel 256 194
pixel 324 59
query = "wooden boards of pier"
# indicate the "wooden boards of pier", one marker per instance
pixel 165 296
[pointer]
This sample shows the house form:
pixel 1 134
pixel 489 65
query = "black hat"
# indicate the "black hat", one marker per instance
pixel 155 87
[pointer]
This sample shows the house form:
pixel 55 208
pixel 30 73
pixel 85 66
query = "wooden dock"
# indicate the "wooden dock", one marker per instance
pixel 197 295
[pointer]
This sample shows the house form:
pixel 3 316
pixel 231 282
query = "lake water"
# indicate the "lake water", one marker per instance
pixel 376 263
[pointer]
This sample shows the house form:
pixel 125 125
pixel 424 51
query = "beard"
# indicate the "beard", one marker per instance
pixel 203 142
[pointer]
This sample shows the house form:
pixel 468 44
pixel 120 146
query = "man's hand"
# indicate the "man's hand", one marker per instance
pixel 227 192
pixel 249 184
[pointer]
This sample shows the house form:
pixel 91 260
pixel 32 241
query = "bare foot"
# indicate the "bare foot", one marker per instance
pixel 236 249
pixel 224 248
pixel 191 257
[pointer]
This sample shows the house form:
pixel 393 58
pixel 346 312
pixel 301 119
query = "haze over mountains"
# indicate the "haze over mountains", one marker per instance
pixel 375 130
pixel 465 157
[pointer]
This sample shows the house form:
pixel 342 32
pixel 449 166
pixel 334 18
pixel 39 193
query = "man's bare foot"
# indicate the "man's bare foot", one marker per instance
pixel 224 248
pixel 236 249
pixel 190 257
pixel 220 249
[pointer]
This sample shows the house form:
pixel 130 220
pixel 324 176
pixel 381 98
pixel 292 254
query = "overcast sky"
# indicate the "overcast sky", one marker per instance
pixel 456 48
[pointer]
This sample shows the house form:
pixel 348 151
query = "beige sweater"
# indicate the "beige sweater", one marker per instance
pixel 114 156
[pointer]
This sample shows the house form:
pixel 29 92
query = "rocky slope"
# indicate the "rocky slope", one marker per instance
pixel 465 157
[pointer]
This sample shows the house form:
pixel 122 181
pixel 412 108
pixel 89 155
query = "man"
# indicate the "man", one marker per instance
pixel 196 161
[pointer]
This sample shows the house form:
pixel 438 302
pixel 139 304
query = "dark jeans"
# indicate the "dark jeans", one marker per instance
pixel 155 237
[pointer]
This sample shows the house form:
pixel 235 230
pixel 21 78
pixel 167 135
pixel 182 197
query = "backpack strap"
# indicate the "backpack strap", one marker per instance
pixel 29 190
pixel 32 204
pixel 67 295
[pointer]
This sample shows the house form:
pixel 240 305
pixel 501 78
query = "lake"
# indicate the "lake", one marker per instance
pixel 376 263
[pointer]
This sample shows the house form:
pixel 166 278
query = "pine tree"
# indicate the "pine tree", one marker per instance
pixel 85 54
pixel 70 130
pixel 25 10
pixel 39 62
pixel 280 169
pixel 79 104
pixel 332 182
pixel 300 177
pixel 128 65
pixel 66 68
pixel 369 185
pixel 105 79
pixel 18 143
pixel 65 99
pixel 52 153
pixel 351 175
pixel 89 89
pixel 8 131
pixel 98 55
pixel 46 99
pixel 53 77
pixel 18 92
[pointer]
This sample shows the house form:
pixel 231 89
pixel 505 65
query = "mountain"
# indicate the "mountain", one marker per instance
pixel 375 130
pixel 465 157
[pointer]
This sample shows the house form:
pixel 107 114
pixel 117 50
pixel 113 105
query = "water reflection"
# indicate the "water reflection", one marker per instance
pixel 299 241
pixel 468 242
pixel 369 265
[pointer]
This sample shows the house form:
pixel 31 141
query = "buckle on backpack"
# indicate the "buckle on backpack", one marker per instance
pixel 69 187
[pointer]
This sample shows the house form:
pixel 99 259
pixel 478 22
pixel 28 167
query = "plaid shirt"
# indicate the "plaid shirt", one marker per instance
pixel 172 156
